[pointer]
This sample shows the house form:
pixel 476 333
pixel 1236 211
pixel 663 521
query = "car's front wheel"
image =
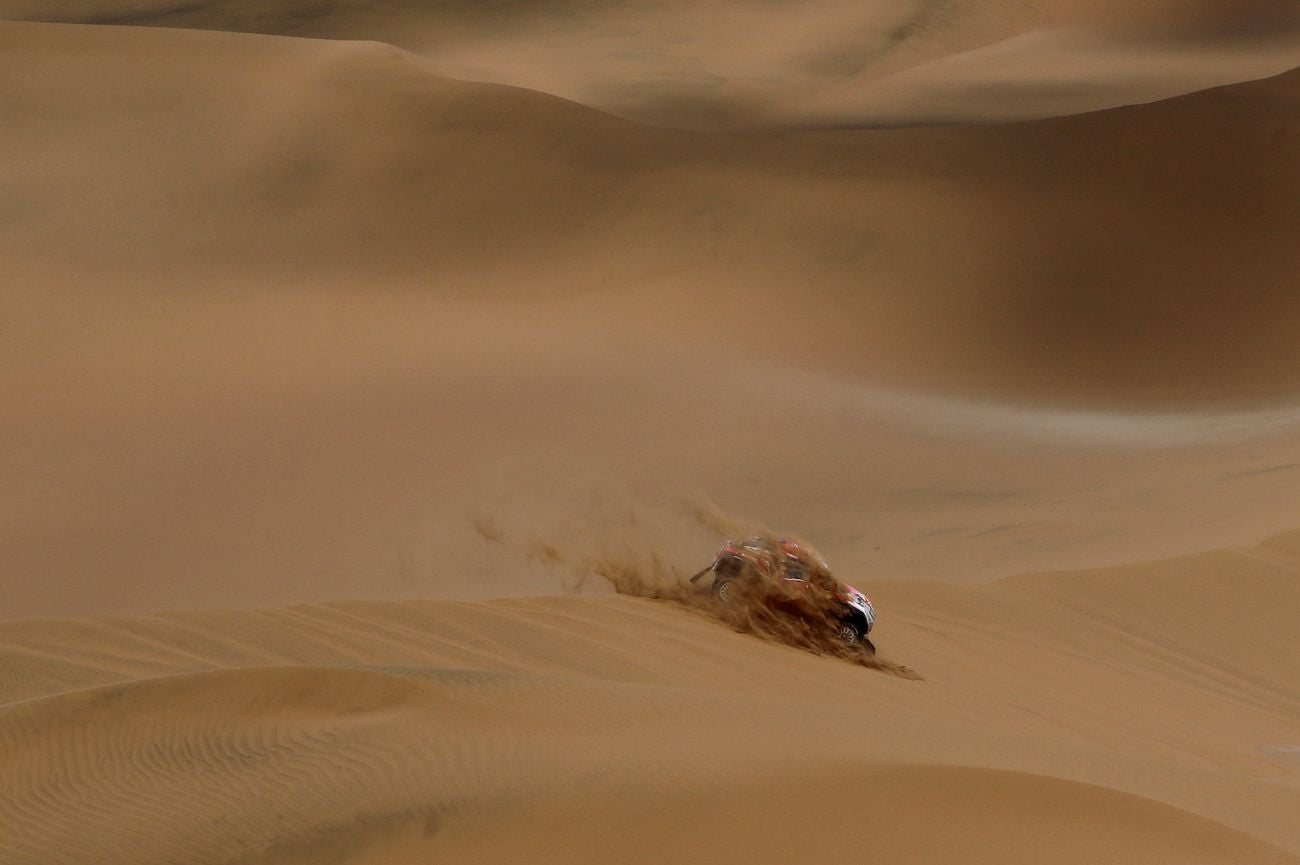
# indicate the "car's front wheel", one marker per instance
pixel 726 590
pixel 848 633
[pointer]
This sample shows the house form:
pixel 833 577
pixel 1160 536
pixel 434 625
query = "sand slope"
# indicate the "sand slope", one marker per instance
pixel 1131 712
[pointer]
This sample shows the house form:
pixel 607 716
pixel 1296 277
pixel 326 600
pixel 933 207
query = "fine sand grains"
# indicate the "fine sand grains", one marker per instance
pixel 1069 715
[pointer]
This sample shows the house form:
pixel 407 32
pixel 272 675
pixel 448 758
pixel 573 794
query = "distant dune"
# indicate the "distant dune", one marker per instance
pixel 1142 254
pixel 810 62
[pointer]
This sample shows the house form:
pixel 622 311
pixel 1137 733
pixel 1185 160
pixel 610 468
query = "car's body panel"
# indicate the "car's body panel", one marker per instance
pixel 764 561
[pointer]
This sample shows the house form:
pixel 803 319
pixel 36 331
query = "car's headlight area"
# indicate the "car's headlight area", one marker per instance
pixel 860 603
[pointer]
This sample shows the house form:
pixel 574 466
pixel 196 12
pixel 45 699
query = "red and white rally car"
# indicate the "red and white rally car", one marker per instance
pixel 779 569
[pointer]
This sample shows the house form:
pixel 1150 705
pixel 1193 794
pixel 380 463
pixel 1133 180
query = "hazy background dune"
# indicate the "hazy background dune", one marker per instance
pixel 1142 254
pixel 810 62
pixel 323 323
pixel 293 313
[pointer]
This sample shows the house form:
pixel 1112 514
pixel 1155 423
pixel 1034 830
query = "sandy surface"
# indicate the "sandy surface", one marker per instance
pixel 1142 712
pixel 365 336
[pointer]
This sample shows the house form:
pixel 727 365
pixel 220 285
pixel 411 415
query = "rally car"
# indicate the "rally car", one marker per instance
pixel 784 573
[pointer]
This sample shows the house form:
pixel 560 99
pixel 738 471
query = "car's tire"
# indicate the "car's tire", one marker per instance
pixel 726 589
pixel 848 633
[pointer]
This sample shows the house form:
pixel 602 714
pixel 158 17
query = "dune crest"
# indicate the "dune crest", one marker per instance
pixel 812 62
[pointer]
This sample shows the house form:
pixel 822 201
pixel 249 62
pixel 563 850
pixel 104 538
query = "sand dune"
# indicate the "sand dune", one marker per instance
pixel 297 335
pixel 1046 73
pixel 370 730
pixel 1092 255
pixel 361 463
pixel 323 323
pixel 824 819
pixel 676 63
pixel 371 767
pixel 812 62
